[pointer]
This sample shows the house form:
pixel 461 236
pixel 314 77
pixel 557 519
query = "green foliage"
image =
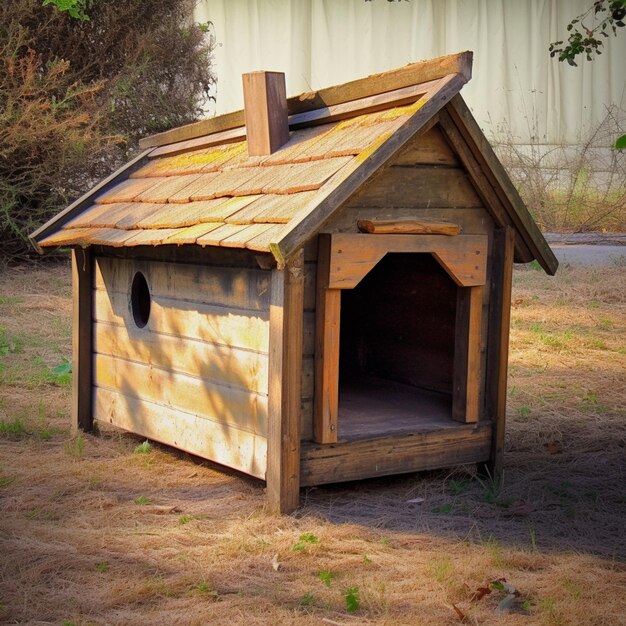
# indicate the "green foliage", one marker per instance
pixel 142 500
pixel 143 448
pixel 74 8
pixel 9 345
pixel 351 596
pixel 607 15
pixel 326 577
pixel 306 539
pixel 620 144
pixel 13 428
pixel 76 94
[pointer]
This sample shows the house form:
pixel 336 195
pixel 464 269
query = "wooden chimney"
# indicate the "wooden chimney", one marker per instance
pixel 265 106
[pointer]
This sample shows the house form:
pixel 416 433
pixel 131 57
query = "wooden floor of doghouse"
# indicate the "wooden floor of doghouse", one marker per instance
pixel 373 407
pixel 387 428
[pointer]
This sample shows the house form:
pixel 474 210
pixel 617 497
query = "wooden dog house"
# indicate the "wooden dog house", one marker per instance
pixel 317 292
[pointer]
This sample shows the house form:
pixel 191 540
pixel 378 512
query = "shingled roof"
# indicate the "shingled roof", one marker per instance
pixel 197 185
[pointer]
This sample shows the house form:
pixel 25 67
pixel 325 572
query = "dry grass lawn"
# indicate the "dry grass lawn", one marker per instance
pixel 96 531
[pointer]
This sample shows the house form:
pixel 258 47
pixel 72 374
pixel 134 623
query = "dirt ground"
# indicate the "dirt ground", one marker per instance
pixel 105 530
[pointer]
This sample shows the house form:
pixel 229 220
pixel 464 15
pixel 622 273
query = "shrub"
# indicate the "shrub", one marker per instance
pixel 77 94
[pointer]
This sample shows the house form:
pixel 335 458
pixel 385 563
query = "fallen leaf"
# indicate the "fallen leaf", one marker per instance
pixel 163 510
pixel 480 593
pixel 275 563
pixel 192 475
pixel 553 447
pixel 415 501
pixel 458 612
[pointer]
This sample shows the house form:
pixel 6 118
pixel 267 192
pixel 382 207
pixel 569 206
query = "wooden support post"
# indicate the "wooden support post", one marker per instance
pixel 285 381
pixel 466 391
pixel 82 304
pixel 498 341
pixel 327 328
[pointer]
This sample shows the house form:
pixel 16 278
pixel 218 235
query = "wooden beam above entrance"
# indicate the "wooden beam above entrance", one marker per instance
pixel 464 257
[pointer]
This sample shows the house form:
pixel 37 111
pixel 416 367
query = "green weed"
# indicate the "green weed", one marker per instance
pixel 142 500
pixel 574 589
pixel 306 539
pixel 326 577
pixel 308 599
pixel 495 551
pixel 457 487
pixel 143 448
pixel 5 481
pixel 102 566
pixel 351 596
pixel 10 344
pixel 524 411
pixel 441 569
pixel 13 428
pixel 184 519
pixel 12 300
pixel 75 447
pixel 203 588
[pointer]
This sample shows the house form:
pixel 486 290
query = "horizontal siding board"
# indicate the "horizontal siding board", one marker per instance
pixel 220 364
pixel 418 187
pixel 239 288
pixel 234 407
pixel 219 442
pixel 218 325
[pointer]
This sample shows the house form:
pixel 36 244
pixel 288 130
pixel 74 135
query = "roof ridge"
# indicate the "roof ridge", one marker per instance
pixel 410 75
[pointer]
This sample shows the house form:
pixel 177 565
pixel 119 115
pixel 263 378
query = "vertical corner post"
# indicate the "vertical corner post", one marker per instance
pixel 82 305
pixel 498 341
pixel 285 383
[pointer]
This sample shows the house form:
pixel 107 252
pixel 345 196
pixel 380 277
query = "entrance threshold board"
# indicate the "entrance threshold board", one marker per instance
pixel 394 454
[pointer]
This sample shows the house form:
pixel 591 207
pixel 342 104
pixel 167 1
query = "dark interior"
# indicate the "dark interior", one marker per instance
pixel 397 347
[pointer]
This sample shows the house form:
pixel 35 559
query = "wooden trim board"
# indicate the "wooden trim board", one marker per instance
pixel 351 177
pixel 498 355
pixel 322 464
pixel 467 341
pixel 285 381
pixel 411 74
pixel 325 115
pixel 499 179
pixel 82 339
pixel 352 256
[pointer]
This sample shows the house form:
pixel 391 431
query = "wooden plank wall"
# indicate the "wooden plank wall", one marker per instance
pixel 425 180
pixel 196 376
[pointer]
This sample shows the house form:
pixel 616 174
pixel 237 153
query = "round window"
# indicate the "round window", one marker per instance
pixel 140 300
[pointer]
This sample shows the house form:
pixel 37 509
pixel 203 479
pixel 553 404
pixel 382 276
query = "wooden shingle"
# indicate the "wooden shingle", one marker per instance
pixel 127 190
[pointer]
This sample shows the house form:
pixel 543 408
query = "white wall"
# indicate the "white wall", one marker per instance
pixel 516 87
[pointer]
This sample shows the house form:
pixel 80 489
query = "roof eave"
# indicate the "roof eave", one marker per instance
pixel 524 224
pixel 59 220
pixel 336 191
